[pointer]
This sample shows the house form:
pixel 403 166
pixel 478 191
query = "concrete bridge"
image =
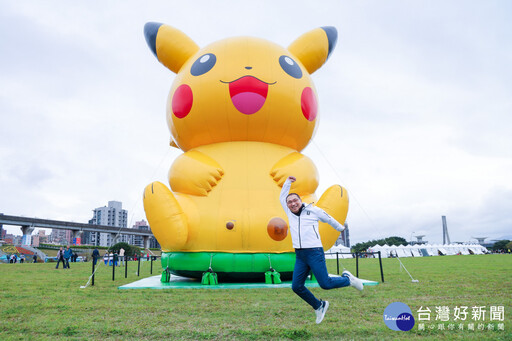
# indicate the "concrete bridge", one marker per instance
pixel 29 224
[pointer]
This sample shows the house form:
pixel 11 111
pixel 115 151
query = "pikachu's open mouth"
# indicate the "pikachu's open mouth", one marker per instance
pixel 248 94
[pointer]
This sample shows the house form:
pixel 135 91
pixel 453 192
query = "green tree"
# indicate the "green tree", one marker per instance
pixel 500 245
pixel 360 247
pixel 509 246
pixel 129 250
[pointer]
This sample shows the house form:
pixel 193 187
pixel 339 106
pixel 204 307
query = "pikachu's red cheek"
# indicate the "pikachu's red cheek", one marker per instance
pixel 182 101
pixel 308 104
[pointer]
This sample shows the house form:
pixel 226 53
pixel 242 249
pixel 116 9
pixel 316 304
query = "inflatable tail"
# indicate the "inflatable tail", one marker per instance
pixel 165 216
pixel 334 201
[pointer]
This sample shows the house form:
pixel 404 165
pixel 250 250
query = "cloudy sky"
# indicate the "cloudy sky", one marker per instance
pixel 415 107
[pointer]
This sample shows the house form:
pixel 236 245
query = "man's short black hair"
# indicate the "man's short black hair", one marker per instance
pixel 289 195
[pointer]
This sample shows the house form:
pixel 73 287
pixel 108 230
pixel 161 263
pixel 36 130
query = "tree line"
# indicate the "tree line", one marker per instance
pixel 360 247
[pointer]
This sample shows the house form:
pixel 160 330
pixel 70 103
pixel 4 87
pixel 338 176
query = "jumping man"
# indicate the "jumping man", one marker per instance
pixel 309 253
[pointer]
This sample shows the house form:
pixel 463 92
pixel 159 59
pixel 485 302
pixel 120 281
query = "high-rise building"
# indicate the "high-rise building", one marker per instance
pixel 61 237
pixel 39 238
pixel 139 240
pixel 111 215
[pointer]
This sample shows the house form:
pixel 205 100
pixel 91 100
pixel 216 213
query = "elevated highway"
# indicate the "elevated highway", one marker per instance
pixel 28 225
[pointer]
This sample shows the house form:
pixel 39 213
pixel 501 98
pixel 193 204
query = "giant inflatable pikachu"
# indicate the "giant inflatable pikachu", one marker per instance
pixel 241 109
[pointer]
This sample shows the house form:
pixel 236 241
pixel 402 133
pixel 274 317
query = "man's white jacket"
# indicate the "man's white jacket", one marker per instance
pixel 304 227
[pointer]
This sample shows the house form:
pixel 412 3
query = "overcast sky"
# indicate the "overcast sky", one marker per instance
pixel 415 107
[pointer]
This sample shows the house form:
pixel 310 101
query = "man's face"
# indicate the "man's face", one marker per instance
pixel 294 203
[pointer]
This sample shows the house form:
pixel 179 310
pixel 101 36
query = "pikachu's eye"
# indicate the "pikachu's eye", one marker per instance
pixel 290 67
pixel 203 64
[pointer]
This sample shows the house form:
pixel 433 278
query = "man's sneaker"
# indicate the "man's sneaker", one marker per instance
pixel 320 312
pixel 354 281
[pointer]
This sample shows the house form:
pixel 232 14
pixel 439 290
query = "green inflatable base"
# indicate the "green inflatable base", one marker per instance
pixel 229 267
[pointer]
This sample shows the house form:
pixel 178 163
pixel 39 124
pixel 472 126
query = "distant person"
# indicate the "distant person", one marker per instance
pixel 110 258
pixel 68 253
pixel 60 258
pixel 22 258
pixel 147 256
pixel 309 253
pixel 34 258
pixel 105 257
pixel 95 256
pixel 121 256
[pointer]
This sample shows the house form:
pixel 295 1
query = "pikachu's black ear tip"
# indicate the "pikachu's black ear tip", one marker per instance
pixel 150 33
pixel 332 37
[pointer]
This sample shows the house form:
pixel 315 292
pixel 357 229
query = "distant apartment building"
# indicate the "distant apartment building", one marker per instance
pixel 39 238
pixel 111 215
pixel 12 239
pixel 139 240
pixel 60 237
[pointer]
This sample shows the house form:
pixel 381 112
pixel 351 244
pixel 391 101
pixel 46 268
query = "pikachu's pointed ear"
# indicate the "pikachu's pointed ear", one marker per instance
pixel 314 47
pixel 170 46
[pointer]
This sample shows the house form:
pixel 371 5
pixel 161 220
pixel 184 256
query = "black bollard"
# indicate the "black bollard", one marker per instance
pixel 151 271
pixel 92 283
pixel 125 266
pixel 113 270
pixel 381 272
pixel 337 264
pixel 357 264
pixel 138 268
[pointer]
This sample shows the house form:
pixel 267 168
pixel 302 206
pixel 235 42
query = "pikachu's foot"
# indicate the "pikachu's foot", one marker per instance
pixel 334 201
pixel 165 216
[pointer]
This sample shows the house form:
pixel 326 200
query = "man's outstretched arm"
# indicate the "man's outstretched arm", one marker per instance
pixel 285 190
pixel 326 218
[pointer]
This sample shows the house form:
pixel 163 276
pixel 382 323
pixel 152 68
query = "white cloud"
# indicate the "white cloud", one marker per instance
pixel 414 107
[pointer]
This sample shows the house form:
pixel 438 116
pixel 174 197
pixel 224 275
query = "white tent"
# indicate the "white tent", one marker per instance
pixel 464 249
pixel 342 252
pixel 414 250
pixel 431 249
pixel 441 250
pixel 477 249
pixel 401 251
pixel 386 250
pixel 451 249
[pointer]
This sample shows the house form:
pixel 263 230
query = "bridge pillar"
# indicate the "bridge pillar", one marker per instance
pixel 27 235
pixel 114 238
pixel 146 242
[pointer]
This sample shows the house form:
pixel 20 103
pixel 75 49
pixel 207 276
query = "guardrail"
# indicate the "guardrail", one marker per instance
pixel 125 259
pixel 357 256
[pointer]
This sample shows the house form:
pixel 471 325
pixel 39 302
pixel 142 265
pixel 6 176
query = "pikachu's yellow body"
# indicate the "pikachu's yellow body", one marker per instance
pixel 241 109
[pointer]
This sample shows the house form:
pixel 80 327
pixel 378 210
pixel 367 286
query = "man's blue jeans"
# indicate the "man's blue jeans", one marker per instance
pixel 313 259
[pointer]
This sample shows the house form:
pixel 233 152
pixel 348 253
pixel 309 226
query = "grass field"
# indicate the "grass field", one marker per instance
pixel 38 302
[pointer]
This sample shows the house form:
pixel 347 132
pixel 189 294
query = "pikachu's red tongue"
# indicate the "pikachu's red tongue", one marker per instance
pixel 248 94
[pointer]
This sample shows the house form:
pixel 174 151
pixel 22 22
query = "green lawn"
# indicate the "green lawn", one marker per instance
pixel 38 302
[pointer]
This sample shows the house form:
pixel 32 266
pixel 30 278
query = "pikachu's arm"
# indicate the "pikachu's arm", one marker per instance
pixel 194 173
pixel 300 166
